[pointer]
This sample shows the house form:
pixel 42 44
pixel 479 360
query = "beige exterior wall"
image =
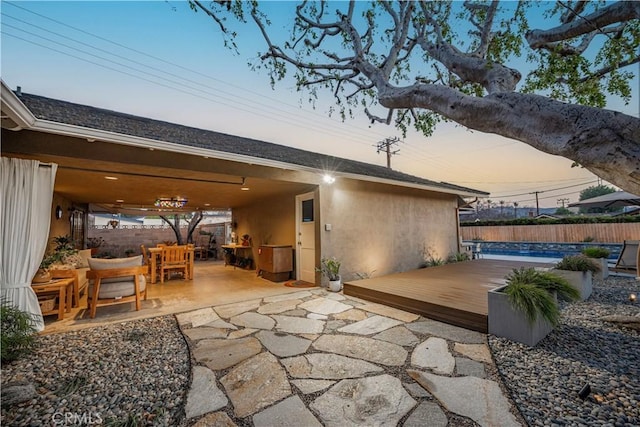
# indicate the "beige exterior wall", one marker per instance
pixel 380 229
pixel 268 222
pixel 62 226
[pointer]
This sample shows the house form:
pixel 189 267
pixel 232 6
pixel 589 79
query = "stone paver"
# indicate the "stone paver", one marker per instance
pixel 255 384
pixel 328 366
pixel 479 399
pixel 278 307
pixel 317 316
pixel 450 332
pixel 470 368
pixel 379 401
pixel 203 332
pixel 277 352
pixel 324 306
pixel 478 352
pixel 204 395
pixel 394 313
pixel 369 326
pixel 221 353
pixel 241 333
pixel 197 317
pixel 215 419
pixel 353 314
pixel 283 345
pixel 312 386
pixel 291 412
pixel 434 354
pixel 253 320
pixel 284 297
pixel 398 335
pixel 298 325
pixel 229 310
pixel 362 348
pixel 221 324
pixel 427 414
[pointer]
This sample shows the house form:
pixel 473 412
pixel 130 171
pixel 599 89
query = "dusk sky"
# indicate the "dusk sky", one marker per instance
pixel 161 60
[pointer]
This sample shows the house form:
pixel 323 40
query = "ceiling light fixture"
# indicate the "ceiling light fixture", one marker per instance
pixel 244 187
pixel 170 202
pixel 111 178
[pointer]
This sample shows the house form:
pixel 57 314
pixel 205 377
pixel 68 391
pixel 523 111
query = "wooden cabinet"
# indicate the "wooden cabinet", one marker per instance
pixel 275 262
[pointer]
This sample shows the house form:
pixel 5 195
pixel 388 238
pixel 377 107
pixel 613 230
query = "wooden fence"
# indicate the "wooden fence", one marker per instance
pixel 604 233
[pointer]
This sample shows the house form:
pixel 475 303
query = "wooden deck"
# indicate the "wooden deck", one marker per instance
pixel 452 293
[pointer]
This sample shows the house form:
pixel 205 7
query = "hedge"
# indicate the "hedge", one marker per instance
pixel 548 221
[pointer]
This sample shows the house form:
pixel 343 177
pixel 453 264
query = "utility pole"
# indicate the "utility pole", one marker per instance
pixel 563 202
pixel 537 202
pixel 386 147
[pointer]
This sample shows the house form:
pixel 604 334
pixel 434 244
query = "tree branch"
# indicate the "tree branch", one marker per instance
pixel 617 12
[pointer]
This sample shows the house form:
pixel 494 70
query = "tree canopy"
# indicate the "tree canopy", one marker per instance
pixel 484 65
pixel 595 191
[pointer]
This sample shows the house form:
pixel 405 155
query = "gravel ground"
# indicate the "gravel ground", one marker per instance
pixel 140 369
pixel 107 375
pixel 544 381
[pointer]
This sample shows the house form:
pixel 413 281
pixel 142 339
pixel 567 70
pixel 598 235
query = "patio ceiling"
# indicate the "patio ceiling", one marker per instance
pixel 82 177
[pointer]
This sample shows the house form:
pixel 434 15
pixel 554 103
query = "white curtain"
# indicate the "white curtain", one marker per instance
pixel 25 215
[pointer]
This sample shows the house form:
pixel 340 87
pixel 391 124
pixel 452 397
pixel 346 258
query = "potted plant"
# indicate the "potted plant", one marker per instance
pixel 526 309
pixel 330 268
pixel 43 275
pixel 601 255
pixel 94 243
pixel 578 270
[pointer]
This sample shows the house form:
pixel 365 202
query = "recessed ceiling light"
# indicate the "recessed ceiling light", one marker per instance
pixel 152 149
pixel 119 201
pixel 245 188
pixel 207 204
pixel 112 178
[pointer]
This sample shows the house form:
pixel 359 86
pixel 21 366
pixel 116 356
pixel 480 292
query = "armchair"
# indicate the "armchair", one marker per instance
pixel 116 281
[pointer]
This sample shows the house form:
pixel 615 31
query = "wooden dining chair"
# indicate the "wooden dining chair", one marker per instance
pixel 174 258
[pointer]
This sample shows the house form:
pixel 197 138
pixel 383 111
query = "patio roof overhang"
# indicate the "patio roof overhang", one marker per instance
pixel 180 166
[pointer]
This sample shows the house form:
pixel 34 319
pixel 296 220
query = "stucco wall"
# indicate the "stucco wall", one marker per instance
pixel 268 222
pixel 379 229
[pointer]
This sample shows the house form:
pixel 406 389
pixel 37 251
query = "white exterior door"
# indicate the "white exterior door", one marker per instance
pixel 306 238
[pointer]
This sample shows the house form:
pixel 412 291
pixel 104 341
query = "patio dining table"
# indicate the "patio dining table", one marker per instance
pixel 155 257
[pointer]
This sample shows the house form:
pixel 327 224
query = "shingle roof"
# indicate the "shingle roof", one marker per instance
pixel 97 118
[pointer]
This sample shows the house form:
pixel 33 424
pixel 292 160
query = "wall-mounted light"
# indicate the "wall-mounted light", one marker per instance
pixel 632 297
pixel 328 179
pixel 58 212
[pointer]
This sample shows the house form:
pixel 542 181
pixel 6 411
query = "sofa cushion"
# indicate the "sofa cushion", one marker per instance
pixel 118 289
pixel 83 257
pixel 107 264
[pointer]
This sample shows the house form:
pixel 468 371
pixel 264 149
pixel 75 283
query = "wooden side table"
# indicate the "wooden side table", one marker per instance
pixel 64 290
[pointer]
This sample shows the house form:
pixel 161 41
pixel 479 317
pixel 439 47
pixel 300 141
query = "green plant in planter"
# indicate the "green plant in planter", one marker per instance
pixel 18 333
pixel 531 291
pixel 330 268
pixel 457 257
pixel 596 252
pixel 578 263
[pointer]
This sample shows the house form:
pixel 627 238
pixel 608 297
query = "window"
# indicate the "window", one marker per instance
pixel 307 210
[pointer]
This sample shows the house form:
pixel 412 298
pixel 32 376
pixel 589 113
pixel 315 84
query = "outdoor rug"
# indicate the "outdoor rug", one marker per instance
pixel 299 284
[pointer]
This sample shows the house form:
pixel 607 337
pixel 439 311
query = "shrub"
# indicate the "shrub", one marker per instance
pixel 596 252
pixel 578 263
pixel 531 291
pixel 18 332
pixel 457 257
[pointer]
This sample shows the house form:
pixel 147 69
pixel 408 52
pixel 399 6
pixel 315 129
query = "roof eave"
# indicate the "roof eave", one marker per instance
pixel 14 108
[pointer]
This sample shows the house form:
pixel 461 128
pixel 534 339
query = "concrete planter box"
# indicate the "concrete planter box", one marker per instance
pixel 505 321
pixel 604 269
pixel 581 280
